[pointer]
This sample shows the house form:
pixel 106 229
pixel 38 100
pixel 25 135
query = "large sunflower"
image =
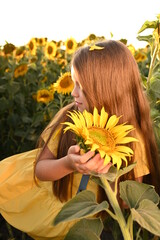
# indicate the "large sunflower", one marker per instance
pixel 102 134
pixel 50 50
pixel 64 84
pixel 71 45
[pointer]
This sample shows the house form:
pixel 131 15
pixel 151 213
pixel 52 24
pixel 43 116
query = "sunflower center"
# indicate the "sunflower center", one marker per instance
pixel 65 82
pixel 50 50
pixel 31 46
pixel 70 44
pixel 102 137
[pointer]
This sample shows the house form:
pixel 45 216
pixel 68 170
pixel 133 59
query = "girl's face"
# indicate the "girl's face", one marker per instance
pixel 78 94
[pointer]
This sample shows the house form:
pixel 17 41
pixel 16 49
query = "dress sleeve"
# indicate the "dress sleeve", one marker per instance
pixel 142 167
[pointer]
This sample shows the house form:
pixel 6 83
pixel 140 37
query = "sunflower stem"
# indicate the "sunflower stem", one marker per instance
pixel 111 214
pixel 130 224
pixel 112 196
pixel 153 59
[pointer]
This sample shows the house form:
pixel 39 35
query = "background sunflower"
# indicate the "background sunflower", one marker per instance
pixel 64 84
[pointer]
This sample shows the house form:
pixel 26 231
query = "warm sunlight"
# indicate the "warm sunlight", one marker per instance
pixel 59 20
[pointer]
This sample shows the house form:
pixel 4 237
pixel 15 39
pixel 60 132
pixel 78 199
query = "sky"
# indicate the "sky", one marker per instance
pixel 61 19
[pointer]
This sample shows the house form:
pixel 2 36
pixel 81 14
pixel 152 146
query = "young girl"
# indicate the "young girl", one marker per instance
pixel 105 75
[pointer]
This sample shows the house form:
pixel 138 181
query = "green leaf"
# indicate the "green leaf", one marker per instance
pixel 133 193
pixel 82 205
pixel 112 174
pixel 3 88
pixel 4 104
pixel 84 235
pixel 85 229
pixel 148 38
pixel 13 88
pixel 148 24
pixel 125 170
pixel 148 216
pixel 155 87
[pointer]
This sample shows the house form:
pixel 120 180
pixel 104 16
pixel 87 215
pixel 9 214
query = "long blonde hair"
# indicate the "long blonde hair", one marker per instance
pixel 110 77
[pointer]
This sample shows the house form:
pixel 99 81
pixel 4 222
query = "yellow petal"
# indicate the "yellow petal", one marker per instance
pixel 96 117
pixel 115 158
pixel 112 121
pixel 124 149
pixel 119 163
pixel 82 119
pixel 125 159
pixel 88 141
pixel 103 118
pixel 107 159
pixel 89 118
pixel 127 140
pixel 72 128
pixel 102 153
pixel 94 147
pixel 122 128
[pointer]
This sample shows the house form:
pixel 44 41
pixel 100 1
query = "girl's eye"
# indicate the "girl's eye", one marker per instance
pixel 76 84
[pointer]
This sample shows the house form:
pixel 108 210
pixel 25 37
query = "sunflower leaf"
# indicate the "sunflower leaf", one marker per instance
pixel 86 229
pixel 82 205
pixel 148 216
pixel 125 170
pixel 133 193
pixel 148 24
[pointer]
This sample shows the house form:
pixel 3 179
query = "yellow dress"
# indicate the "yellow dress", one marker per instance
pixel 32 209
pixel 26 206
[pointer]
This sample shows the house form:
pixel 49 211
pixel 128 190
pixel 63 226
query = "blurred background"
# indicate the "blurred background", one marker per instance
pixel 59 20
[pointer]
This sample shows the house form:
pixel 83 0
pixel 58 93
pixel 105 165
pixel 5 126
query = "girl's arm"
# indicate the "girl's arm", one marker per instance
pixel 48 168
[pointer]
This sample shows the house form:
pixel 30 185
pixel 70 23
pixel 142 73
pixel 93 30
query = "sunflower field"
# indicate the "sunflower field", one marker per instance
pixel 35 82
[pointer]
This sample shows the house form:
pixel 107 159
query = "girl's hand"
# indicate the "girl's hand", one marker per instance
pixel 86 163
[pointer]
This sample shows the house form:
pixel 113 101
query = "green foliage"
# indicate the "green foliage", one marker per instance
pixel 22 117
pixel 84 229
pixel 141 199
pixel 82 205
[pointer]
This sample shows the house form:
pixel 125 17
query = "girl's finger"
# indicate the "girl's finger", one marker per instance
pixel 104 168
pixel 85 157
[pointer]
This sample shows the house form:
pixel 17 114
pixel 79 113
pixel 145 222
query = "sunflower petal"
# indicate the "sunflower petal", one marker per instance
pixel 102 153
pixel 116 160
pixel 94 147
pixel 103 118
pixel 127 140
pixel 107 159
pixel 124 149
pixel 89 118
pixel 96 117
pixel 112 121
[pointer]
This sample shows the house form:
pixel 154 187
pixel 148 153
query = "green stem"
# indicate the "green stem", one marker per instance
pixel 130 224
pixel 153 59
pixel 117 210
